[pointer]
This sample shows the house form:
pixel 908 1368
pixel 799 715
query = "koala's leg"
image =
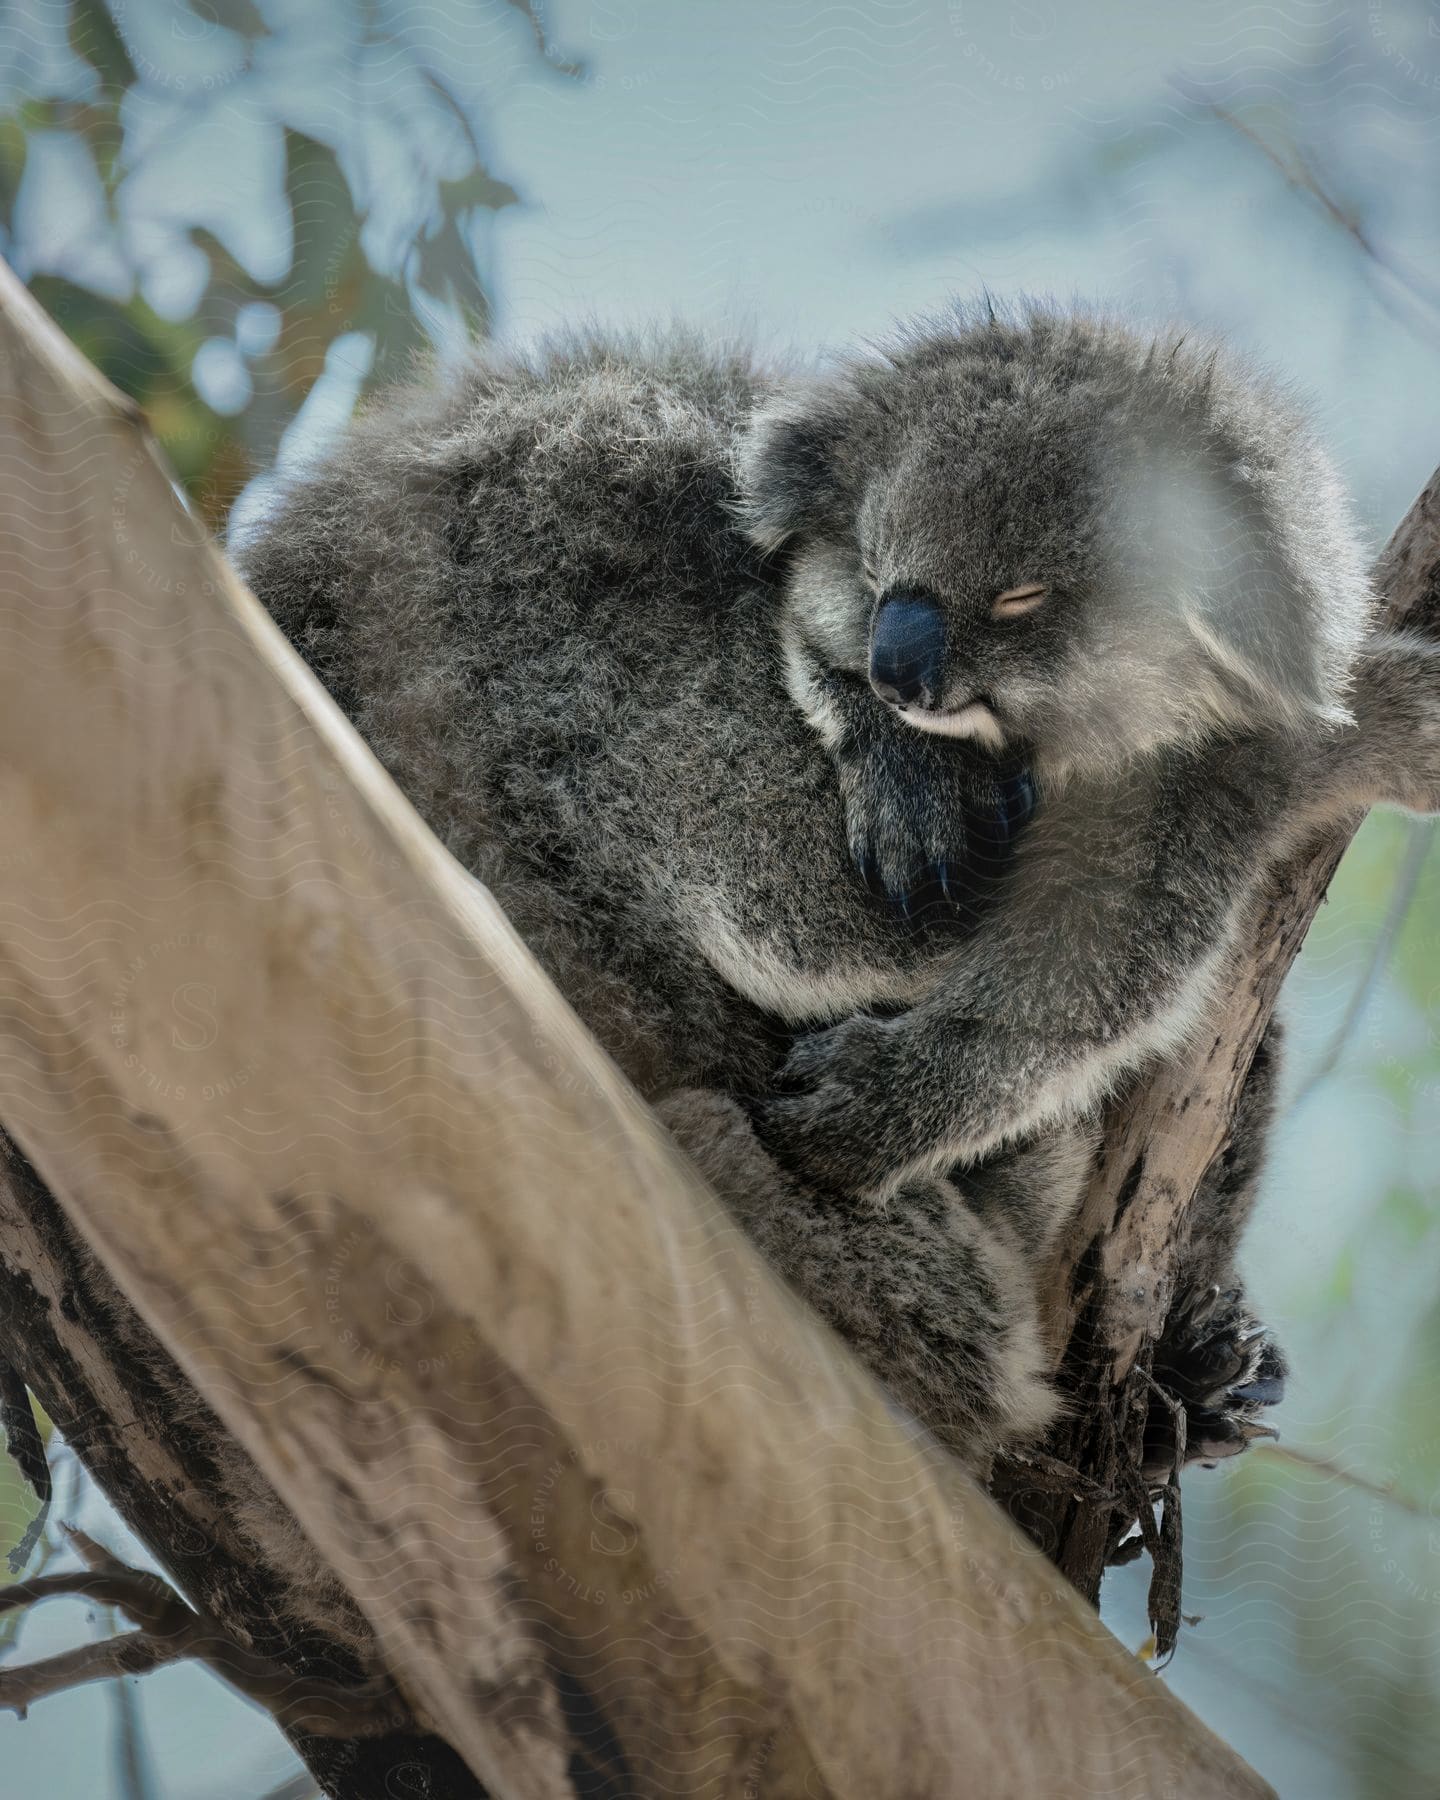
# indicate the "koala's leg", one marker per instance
pixel 1215 1356
pixel 931 821
pixel 936 1295
pixel 1026 1193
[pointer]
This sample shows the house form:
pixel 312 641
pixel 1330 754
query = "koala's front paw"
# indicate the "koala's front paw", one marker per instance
pixel 836 1107
pixel 1225 1369
pixel 931 825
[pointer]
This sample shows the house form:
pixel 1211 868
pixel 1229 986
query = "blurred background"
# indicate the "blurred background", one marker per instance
pixel 250 212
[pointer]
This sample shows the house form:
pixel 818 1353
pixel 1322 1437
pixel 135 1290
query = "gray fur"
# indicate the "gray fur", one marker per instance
pixel 605 616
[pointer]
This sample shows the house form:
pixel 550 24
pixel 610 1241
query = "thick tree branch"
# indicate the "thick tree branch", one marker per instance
pixel 587 1470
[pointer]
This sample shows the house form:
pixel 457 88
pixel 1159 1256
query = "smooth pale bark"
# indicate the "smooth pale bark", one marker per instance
pixel 581 1462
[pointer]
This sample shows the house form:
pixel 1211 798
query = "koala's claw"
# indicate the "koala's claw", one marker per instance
pixel 925 897
pixel 930 898
pixel 932 829
pixel 1224 1368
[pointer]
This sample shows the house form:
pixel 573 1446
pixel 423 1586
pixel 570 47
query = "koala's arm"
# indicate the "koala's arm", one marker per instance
pixel 1104 951
pixel 1097 955
pixel 931 822
pixel 1391 757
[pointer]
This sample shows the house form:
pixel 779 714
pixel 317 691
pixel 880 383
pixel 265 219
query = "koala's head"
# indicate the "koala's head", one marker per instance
pixel 1056 533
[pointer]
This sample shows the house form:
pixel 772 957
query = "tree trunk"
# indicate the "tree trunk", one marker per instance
pixel 185 1488
pixel 1113 1279
pixel 605 1495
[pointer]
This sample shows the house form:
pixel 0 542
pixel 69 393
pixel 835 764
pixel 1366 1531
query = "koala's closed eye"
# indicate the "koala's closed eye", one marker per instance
pixel 1017 601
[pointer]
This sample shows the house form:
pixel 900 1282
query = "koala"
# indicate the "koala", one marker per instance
pixel 881 761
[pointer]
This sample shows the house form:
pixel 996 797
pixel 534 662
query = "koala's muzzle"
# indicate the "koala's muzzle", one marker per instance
pixel 907 650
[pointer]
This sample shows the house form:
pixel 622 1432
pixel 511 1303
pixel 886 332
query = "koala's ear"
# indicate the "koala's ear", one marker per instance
pixel 1282 673
pixel 1268 584
pixel 786 465
pixel 1283 616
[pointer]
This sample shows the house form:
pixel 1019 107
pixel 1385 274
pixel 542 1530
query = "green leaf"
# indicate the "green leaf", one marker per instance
pixel 93 36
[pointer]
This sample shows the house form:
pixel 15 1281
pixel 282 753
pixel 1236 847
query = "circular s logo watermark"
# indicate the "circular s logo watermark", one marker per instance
pixel 611 1512
pixel 166 1022
pixel 1009 45
pixel 193 1004
pixel 412 1299
pixel 612 1568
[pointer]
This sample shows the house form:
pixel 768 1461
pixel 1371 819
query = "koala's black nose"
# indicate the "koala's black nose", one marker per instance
pixel 907 650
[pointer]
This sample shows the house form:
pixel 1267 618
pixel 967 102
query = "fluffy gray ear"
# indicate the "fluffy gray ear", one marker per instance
pixel 786 465
pixel 1267 573
pixel 1282 674
pixel 1285 603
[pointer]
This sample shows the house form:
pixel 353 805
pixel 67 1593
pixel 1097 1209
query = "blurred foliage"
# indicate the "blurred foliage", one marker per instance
pixel 127 99
pixel 19 1505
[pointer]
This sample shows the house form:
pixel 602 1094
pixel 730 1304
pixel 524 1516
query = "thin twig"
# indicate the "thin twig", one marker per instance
pixel 1167 1548
pixel 132 1653
pixel 1322 1465
pixel 1300 174
pixel 169 1630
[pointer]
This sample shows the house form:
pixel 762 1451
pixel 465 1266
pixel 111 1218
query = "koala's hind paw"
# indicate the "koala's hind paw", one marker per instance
pixel 1225 1369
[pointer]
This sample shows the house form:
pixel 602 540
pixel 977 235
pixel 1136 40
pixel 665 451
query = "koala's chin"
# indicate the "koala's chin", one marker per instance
pixel 976 721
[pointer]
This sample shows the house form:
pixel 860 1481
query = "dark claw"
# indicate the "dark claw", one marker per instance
pixel 928 901
pixel 1224 1368
pixel 1203 1306
pixel 1018 792
pixel 1261 1393
pixel 954 817
pixel 952 882
pixel 928 905
pixel 870 874
pixel 1216 1434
